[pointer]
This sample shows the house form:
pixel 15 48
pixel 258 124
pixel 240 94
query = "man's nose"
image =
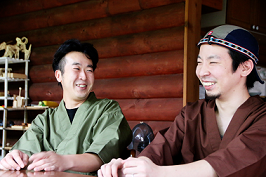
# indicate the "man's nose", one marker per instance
pixel 204 70
pixel 82 75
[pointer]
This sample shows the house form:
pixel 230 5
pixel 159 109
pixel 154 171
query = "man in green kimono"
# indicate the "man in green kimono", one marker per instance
pixel 83 132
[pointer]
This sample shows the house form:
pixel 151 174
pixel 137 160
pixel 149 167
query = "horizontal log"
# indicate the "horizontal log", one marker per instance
pixel 136 22
pixel 53 17
pixel 134 44
pixel 147 4
pixel 151 109
pixel 49 91
pixel 112 6
pixel 15 7
pixel 141 43
pixel 128 66
pixel 42 73
pixel 170 62
pixel 163 86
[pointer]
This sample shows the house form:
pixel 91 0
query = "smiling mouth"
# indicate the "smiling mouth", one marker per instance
pixel 207 83
pixel 81 85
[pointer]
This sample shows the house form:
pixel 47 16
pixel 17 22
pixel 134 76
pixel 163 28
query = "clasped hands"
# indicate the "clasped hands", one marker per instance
pixel 17 160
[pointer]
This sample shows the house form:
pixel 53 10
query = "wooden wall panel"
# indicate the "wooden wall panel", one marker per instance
pixel 131 23
pixel 151 109
pixel 114 6
pixel 15 7
pixel 140 43
pixel 169 62
pixel 160 86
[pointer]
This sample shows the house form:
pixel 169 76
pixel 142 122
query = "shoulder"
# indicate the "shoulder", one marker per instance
pixel 200 104
pixel 102 103
pixel 48 112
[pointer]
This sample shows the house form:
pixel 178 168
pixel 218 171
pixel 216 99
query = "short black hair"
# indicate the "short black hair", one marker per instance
pixel 239 58
pixel 74 45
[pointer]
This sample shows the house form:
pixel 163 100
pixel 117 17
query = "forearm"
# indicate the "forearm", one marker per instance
pixel 86 162
pixel 199 168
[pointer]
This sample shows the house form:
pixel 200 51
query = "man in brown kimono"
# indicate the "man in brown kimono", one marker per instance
pixel 222 135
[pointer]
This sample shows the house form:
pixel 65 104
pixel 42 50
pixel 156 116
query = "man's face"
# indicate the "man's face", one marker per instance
pixel 215 72
pixel 78 77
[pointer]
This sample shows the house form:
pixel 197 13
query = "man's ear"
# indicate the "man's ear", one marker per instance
pixel 58 75
pixel 247 67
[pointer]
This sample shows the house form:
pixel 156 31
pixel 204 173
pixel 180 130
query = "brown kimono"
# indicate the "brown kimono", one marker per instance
pixel 194 135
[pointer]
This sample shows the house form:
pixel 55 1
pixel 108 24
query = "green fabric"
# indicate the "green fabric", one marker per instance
pixel 98 127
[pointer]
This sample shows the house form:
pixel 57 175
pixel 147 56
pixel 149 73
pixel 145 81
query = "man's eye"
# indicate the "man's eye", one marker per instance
pixel 76 68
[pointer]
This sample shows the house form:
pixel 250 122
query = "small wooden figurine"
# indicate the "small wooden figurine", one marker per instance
pixel 12 51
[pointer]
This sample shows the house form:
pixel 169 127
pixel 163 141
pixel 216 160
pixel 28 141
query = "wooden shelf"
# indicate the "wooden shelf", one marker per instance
pixel 2 79
pixel 6 78
pixel 12 60
pixel 7 148
pixel 17 129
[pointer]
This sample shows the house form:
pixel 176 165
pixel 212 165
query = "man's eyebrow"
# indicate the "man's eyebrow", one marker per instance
pixel 90 66
pixel 77 63
pixel 211 57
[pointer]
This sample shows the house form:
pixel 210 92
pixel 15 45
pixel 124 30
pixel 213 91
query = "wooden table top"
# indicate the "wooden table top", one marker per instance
pixel 26 173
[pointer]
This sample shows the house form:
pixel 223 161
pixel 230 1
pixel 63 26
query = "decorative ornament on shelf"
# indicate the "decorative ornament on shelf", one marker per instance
pixel 12 51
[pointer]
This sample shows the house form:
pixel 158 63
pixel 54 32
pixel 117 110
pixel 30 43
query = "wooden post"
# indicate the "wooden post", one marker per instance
pixel 191 38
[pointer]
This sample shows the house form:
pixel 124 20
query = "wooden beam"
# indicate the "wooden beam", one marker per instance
pixel 161 86
pixel 191 38
pixel 170 62
pixel 15 7
pixel 157 109
pixel 87 27
pixel 134 44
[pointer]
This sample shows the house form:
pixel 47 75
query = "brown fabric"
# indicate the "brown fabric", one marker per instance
pixel 194 135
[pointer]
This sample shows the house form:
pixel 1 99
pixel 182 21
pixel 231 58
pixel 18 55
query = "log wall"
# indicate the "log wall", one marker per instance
pixel 140 45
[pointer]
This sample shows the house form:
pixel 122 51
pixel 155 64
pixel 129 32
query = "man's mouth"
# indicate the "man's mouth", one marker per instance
pixel 81 85
pixel 207 83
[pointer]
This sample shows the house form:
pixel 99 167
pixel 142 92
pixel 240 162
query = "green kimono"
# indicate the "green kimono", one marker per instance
pixel 98 127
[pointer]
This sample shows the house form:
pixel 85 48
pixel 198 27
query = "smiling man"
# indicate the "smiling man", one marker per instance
pixel 222 135
pixel 83 132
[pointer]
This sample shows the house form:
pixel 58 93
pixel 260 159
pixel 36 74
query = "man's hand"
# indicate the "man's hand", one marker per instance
pixel 15 160
pixel 111 169
pixel 48 161
pixel 141 166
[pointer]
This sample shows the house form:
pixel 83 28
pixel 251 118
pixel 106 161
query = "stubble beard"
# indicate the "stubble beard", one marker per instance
pixel 212 96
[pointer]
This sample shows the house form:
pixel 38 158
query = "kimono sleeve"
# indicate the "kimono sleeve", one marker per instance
pixel 112 135
pixel 32 140
pixel 167 143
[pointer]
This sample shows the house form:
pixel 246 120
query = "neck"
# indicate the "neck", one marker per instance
pixel 226 108
pixel 73 104
pixel 232 103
